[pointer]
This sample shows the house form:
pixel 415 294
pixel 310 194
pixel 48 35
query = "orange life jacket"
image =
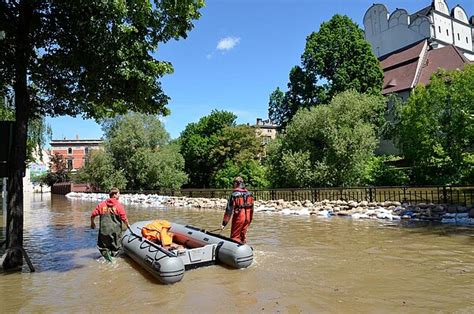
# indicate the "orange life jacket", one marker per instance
pixel 157 230
pixel 243 200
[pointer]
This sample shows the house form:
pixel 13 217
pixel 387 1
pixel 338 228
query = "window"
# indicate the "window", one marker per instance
pixel 86 150
pixel 447 32
pixel 467 40
pixel 459 37
pixel 69 151
pixel 439 29
pixel 69 164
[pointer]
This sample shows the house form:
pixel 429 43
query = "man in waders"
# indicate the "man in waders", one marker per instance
pixel 112 214
pixel 240 207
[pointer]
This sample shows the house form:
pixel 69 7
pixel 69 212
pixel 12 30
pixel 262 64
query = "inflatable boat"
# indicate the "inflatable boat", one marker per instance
pixel 201 248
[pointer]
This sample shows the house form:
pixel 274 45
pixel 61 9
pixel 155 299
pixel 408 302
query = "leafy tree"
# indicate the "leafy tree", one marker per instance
pixel 253 173
pixel 6 113
pixel 379 173
pixel 169 171
pixel 215 146
pixel 39 132
pixel 328 145
pixel 336 58
pixel 58 171
pixel 237 154
pixel 81 57
pixel 197 142
pixel 139 146
pixel 278 110
pixel 100 172
pixel 434 129
pixel 339 54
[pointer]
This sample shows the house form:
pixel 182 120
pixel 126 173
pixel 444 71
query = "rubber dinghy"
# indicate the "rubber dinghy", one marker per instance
pixel 201 248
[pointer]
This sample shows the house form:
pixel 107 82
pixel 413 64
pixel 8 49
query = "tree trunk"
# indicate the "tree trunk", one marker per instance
pixel 14 240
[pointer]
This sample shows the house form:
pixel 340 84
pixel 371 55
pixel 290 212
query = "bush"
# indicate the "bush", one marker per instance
pixel 380 173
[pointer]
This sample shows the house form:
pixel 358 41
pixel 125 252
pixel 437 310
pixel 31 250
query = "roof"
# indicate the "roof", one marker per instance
pixel 448 58
pixel 76 142
pixel 400 67
pixel 423 12
pixel 414 64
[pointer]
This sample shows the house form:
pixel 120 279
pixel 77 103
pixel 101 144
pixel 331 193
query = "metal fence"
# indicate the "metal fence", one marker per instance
pixel 419 194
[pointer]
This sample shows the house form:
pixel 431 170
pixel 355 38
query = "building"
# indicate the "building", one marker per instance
pixel 74 151
pixel 406 68
pixel 436 23
pixel 412 47
pixel 37 167
pixel 266 129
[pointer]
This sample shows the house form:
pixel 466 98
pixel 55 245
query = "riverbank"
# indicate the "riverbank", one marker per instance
pixel 455 214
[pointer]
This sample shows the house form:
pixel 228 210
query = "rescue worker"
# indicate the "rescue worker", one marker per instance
pixel 112 214
pixel 240 205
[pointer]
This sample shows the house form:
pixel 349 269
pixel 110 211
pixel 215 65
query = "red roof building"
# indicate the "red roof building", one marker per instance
pixel 74 151
pixel 406 68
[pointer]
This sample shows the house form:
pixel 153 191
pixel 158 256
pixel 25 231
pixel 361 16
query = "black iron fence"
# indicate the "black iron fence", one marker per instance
pixel 420 194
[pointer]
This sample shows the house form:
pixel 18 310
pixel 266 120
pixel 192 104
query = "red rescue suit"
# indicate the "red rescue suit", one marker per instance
pixel 240 207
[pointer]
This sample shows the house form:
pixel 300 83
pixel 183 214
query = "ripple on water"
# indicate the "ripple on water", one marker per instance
pixel 335 264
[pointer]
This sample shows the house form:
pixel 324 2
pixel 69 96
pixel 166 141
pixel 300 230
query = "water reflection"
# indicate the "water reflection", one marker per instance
pixel 302 264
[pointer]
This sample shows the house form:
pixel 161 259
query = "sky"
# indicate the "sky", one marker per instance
pixel 237 54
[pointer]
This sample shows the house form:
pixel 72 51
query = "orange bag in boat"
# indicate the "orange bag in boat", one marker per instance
pixel 157 230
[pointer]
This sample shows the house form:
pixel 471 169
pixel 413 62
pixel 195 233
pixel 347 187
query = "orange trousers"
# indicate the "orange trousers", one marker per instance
pixel 240 223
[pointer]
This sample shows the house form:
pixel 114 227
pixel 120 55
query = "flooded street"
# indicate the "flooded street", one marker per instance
pixel 302 264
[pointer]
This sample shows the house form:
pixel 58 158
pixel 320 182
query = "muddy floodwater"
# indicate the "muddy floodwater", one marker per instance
pixel 302 265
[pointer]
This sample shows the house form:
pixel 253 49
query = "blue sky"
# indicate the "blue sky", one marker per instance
pixel 236 55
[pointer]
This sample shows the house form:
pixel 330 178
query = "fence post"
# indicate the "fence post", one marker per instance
pixel 370 195
pixel 445 195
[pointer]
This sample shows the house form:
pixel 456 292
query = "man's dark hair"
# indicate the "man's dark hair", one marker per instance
pixel 113 191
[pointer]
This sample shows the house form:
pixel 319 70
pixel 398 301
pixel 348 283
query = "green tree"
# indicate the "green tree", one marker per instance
pixel 81 57
pixel 215 146
pixel 339 55
pixel 197 142
pixel 39 132
pixel 139 146
pixel 379 173
pixel 253 173
pixel 328 145
pixel 434 129
pixel 237 154
pixel 278 110
pixel 99 171
pixel 58 171
pixel 336 58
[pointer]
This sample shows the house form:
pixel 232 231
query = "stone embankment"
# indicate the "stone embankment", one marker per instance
pixel 357 210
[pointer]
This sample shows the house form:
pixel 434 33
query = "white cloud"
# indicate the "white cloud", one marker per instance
pixel 228 43
pixel 209 56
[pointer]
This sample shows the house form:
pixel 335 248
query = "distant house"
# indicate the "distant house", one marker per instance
pixel 74 151
pixel 266 129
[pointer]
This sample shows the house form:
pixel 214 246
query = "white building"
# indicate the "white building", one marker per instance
pixel 441 27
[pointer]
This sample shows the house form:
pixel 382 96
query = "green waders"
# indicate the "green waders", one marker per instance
pixel 109 234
